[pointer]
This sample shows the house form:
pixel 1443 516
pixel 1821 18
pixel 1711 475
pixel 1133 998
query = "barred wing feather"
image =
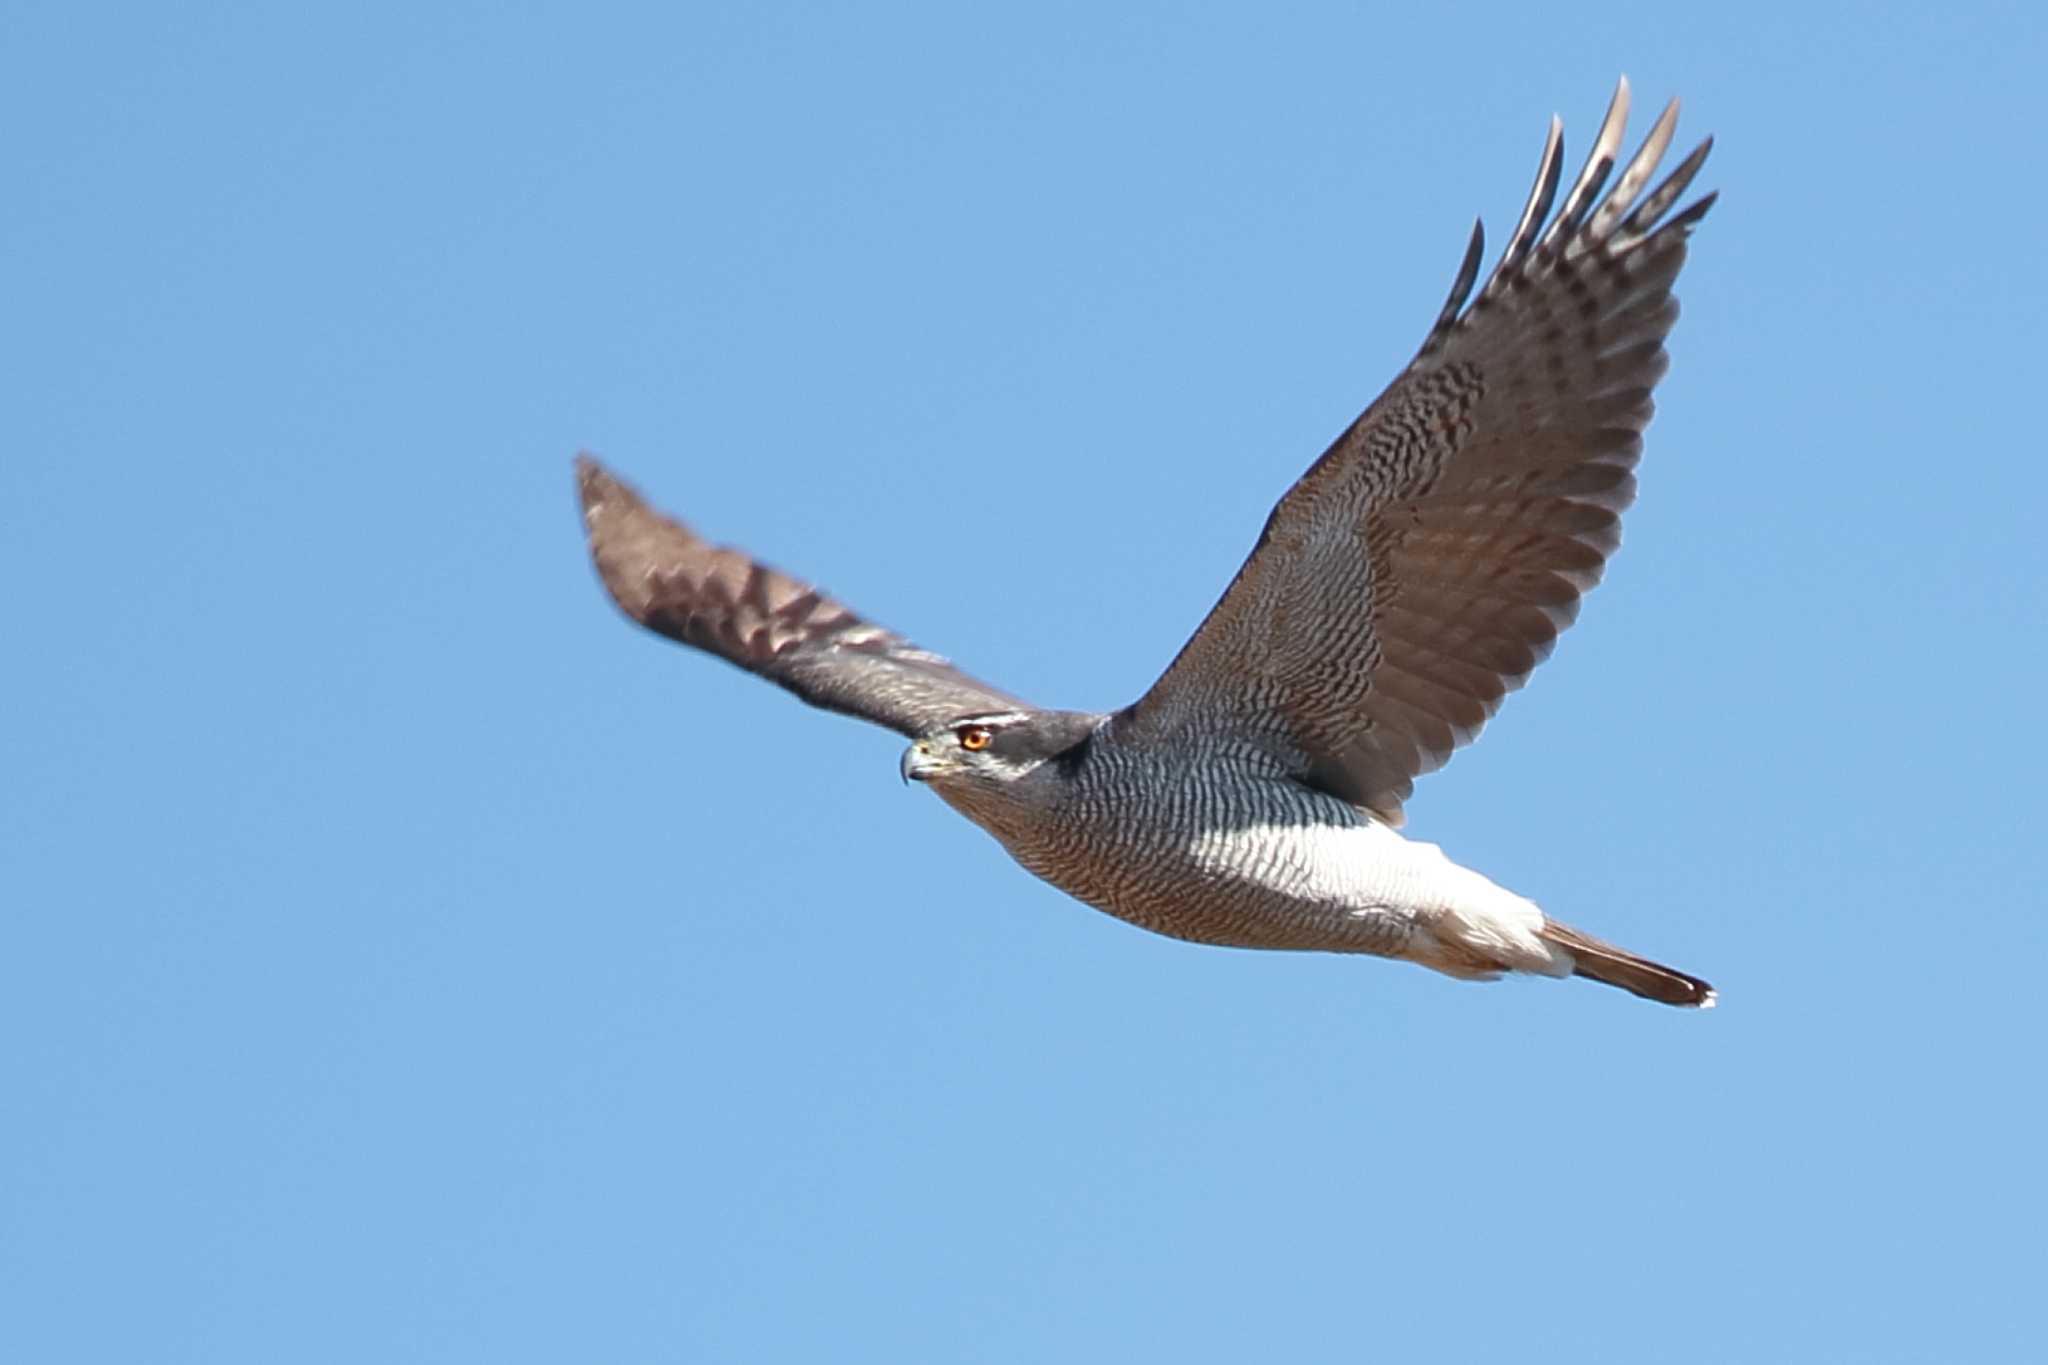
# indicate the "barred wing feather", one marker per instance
pixel 1426 563
pixel 677 584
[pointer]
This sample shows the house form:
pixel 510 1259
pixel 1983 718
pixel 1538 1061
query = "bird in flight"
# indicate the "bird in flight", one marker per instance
pixel 1413 577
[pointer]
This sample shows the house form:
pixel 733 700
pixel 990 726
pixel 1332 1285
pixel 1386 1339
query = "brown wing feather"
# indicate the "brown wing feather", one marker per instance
pixel 675 583
pixel 1426 563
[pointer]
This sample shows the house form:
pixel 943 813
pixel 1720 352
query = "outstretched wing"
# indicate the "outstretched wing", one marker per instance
pixel 678 584
pixel 1426 563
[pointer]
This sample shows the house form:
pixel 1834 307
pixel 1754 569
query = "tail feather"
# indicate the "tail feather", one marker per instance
pixel 1614 966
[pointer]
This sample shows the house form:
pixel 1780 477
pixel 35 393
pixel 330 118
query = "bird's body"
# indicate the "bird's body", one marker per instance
pixel 1217 844
pixel 1413 577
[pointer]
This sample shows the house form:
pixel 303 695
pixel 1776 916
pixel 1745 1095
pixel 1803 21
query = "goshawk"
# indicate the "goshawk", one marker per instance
pixel 1413 577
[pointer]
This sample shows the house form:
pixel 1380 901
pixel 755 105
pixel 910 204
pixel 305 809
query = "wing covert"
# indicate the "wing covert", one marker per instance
pixel 1426 563
pixel 672 581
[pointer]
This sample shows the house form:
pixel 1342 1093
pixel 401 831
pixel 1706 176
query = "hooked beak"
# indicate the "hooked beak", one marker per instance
pixel 917 763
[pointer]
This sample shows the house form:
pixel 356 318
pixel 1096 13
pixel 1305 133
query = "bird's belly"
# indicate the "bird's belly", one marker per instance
pixel 1344 887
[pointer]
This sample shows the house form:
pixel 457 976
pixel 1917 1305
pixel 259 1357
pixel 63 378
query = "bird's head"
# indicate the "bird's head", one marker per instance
pixel 978 758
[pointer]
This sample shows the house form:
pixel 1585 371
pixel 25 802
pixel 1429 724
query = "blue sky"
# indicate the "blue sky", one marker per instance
pixel 406 960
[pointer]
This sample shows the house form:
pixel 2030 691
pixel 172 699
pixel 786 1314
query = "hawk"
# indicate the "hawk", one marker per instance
pixel 1409 581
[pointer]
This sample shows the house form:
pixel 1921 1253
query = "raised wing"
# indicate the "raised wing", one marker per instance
pixel 678 584
pixel 1425 564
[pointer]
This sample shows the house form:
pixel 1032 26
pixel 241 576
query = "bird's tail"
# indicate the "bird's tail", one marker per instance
pixel 1618 967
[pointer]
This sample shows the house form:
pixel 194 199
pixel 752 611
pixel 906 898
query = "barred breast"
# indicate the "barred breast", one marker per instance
pixel 1218 846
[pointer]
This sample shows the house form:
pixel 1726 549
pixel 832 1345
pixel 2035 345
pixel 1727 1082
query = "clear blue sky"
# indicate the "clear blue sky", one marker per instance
pixel 404 959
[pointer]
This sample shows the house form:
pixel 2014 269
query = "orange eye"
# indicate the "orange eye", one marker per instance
pixel 975 738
